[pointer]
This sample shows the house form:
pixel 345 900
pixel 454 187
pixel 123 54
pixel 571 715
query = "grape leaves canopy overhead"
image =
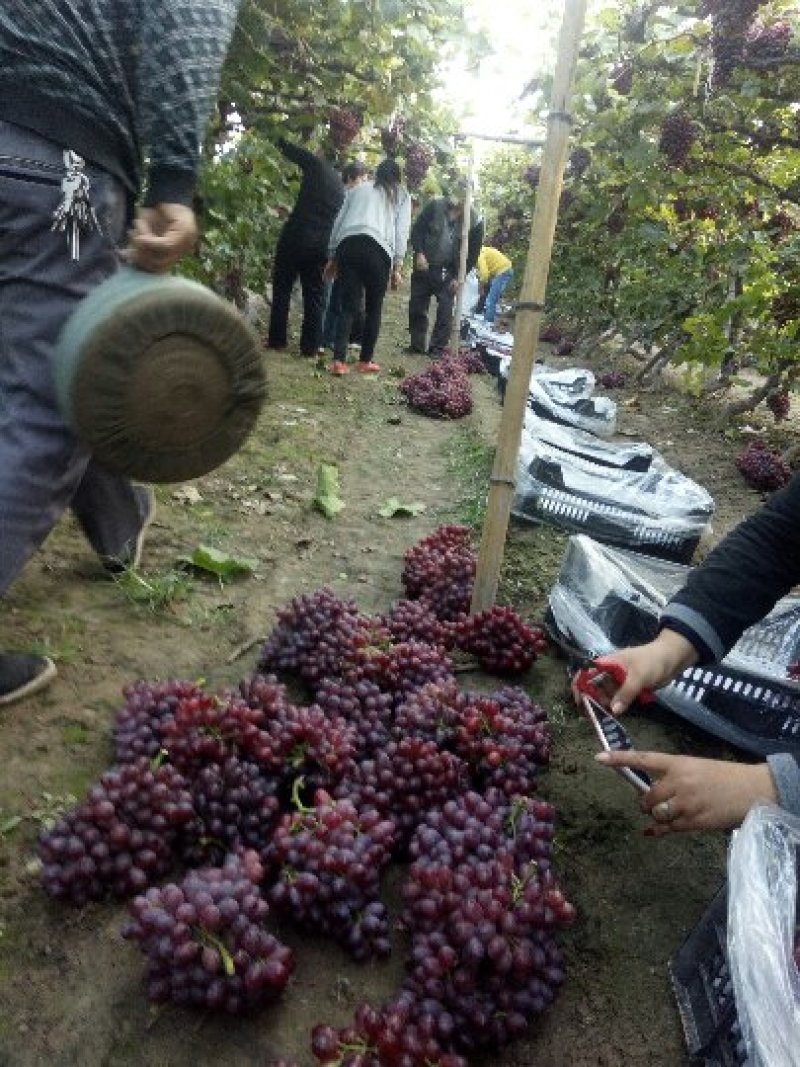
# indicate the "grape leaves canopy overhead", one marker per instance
pixel 680 221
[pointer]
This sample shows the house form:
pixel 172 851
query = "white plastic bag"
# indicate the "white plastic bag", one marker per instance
pixel 472 292
pixel 762 912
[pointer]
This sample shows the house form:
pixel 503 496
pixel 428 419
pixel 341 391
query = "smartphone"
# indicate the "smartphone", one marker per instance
pixel 613 737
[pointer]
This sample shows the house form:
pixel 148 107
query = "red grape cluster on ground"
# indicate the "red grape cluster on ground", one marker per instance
pixel 612 379
pixel 763 468
pixel 261 802
pixel 442 391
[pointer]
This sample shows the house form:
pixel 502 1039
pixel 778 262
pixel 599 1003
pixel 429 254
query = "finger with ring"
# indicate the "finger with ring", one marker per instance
pixel 663 811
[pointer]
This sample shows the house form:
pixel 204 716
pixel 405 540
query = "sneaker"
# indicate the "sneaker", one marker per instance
pixel 130 557
pixel 368 368
pixel 339 369
pixel 21 675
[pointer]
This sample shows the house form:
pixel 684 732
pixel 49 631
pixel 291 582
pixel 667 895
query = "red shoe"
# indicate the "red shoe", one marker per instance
pixel 339 369
pixel 368 368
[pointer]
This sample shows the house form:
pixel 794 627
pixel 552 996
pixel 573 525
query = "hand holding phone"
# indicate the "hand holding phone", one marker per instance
pixel 613 737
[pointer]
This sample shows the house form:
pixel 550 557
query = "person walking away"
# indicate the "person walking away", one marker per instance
pixel 494 273
pixel 436 243
pixel 302 248
pixel 85 90
pixel 367 248
pixel 352 174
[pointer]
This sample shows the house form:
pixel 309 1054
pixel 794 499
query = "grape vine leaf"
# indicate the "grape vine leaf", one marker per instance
pixel 221 564
pixel 396 509
pixel 326 498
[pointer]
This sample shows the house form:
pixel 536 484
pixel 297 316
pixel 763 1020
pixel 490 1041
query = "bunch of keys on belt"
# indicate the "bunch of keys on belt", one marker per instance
pixel 599 679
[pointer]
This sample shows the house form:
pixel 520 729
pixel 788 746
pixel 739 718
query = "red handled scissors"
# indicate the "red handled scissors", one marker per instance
pixel 600 678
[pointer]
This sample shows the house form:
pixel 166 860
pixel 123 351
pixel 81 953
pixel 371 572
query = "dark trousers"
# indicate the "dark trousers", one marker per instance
pixel 43 468
pixel 364 270
pixel 332 312
pixel 424 285
pixel 298 256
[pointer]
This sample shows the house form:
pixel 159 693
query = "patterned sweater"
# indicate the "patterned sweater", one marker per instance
pixel 117 81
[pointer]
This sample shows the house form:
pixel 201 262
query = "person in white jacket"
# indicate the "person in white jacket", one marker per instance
pixel 366 250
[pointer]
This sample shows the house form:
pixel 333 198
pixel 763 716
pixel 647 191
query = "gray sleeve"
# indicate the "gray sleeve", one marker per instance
pixel 786 775
pixel 183 47
pixel 402 226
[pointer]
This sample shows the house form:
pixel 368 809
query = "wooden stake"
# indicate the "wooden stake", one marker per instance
pixel 455 335
pixel 529 310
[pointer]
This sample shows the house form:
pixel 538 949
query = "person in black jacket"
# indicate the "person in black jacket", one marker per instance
pixel 98 101
pixel 436 243
pixel 735 586
pixel 302 249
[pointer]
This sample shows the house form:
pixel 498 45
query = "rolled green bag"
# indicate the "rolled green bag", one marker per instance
pixel 161 378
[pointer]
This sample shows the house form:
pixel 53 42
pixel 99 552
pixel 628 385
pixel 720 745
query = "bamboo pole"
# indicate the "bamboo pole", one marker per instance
pixel 529 310
pixel 455 333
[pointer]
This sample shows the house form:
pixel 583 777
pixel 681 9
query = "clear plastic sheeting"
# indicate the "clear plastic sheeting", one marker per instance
pixel 627 455
pixel 607 598
pixel 658 510
pixel 471 293
pixel 597 415
pixel 762 918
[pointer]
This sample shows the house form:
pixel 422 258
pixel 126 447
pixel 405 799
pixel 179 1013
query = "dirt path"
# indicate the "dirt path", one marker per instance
pixel 70 989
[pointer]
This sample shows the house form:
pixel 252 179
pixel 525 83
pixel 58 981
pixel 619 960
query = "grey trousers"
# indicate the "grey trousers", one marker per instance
pixel 43 468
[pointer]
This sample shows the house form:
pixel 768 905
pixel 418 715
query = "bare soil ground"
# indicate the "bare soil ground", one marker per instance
pixel 70 988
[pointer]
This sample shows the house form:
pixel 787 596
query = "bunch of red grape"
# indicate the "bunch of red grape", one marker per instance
pixel 531 175
pixel 763 468
pixel 418 160
pixel 120 838
pixel 205 941
pixel 612 379
pixel 138 724
pixel 579 161
pixel 766 42
pixel 364 705
pixel 403 1033
pixel 208 729
pixel 315 636
pixel 483 917
pixel 500 641
pixel 678 135
pixel 565 347
pixel 413 620
pixel 442 391
pixel 392 135
pixel 327 862
pixel 779 404
pixel 471 361
pixel 440 570
pixel 235 807
pixel 731 23
pixel 344 124
pixel 404 781
pixel 786 307
pixel 622 78
pixel 550 333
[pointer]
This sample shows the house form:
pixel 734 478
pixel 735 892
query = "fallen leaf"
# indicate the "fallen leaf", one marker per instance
pixel 395 509
pixel 214 561
pixel 326 498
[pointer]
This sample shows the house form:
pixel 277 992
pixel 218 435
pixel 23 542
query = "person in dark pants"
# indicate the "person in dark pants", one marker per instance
pixel 436 242
pixel 352 174
pixel 303 247
pixel 82 88
pixel 367 248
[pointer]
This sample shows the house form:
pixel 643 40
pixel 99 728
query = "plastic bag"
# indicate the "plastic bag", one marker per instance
pixel 762 916
pixel 471 293
pixel 607 598
pixel 634 456
pixel 658 510
pixel 597 415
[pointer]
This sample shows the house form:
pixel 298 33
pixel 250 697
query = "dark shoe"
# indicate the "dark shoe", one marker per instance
pixel 129 558
pixel 436 353
pixel 410 350
pixel 21 675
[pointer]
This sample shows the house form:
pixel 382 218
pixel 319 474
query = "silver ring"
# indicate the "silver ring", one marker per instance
pixel 663 811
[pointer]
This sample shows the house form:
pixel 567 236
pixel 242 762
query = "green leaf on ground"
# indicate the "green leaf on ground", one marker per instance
pixel 326 498
pixel 396 509
pixel 221 564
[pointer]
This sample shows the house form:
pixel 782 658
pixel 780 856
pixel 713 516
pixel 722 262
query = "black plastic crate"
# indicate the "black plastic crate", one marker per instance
pixel 703 988
pixel 606 522
pixel 758 715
